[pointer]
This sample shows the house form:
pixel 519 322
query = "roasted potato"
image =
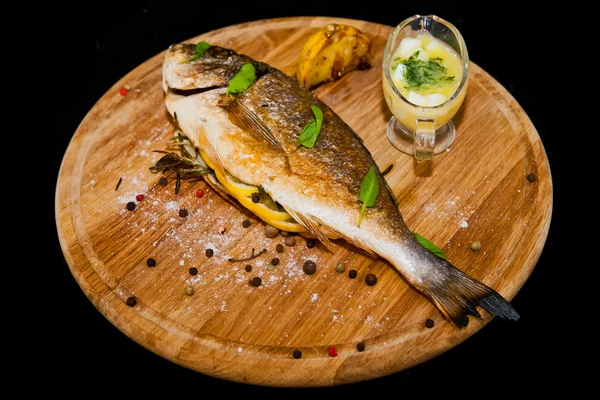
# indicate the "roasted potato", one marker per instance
pixel 331 52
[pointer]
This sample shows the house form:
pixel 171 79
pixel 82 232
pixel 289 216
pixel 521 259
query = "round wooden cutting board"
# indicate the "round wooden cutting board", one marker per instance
pixel 493 186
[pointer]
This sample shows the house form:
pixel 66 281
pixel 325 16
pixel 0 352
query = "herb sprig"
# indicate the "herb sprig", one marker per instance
pixel 187 164
pixel 423 74
pixel 430 246
pixel 369 190
pixel 311 131
pixel 241 81
pixel 201 48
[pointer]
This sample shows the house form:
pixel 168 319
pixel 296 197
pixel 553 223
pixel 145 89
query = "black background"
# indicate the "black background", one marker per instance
pixel 102 42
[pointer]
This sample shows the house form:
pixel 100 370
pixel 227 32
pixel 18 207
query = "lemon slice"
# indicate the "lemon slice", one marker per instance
pixel 263 209
pixel 287 226
pixel 266 209
pixel 240 187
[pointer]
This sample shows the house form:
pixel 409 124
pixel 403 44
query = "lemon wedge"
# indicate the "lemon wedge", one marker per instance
pixel 266 209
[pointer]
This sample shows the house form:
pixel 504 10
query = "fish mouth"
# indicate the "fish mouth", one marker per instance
pixel 191 92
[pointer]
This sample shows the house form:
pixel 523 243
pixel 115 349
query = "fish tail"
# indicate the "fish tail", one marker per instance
pixel 457 295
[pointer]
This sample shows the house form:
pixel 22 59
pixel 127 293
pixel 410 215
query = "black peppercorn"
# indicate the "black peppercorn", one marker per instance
pixel 371 279
pixel 256 281
pixel 309 267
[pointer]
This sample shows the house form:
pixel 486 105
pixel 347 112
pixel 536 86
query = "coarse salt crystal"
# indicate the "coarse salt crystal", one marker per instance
pixel 314 297
pixel 464 223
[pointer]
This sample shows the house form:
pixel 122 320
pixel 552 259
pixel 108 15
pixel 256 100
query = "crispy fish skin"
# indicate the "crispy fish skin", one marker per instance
pixel 319 187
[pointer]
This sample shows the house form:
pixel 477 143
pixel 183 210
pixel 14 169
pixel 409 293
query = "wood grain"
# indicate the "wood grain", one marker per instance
pixel 477 191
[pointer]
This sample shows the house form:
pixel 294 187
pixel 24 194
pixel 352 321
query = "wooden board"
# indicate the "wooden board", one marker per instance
pixel 477 191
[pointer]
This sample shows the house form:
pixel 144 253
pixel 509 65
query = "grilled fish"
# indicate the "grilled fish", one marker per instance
pixel 251 141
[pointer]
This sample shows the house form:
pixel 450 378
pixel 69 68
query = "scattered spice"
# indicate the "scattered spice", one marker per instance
pixel 256 281
pixel 222 230
pixel 252 257
pixel 371 279
pixel 193 271
pixel 275 261
pixel 352 274
pixel 127 87
pixel 309 267
pixel 360 347
pixel 290 241
pixel 271 231
pixel 189 290
pixel 246 223
pixel 387 170
pixel 151 262
pixel 123 91
pixel 131 301
pixel 118 184
pixel 285 234
pixel 200 193
pixel 279 248
pixel 139 197
pixel 297 354
pixel 248 268
pixel 429 323
pixel 131 206
pixel 209 253
pixel 531 177
pixel 310 243
pixel 163 181
pixel 340 267
pixel 475 246
pixel 270 267
pixel 183 213
pixel 332 351
pixel 255 197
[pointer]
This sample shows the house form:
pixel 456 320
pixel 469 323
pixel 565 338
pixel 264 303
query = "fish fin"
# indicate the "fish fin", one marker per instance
pixel 456 295
pixel 346 238
pixel 244 118
pixel 313 226
pixel 212 154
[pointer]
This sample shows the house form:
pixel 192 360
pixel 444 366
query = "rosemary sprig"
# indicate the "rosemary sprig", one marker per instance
pixel 187 164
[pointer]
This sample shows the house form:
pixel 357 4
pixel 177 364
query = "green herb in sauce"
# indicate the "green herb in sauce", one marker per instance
pixel 423 74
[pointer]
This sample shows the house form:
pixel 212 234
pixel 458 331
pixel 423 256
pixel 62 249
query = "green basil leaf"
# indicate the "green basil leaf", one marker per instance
pixel 311 131
pixel 241 81
pixel 430 246
pixel 201 48
pixel 369 190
